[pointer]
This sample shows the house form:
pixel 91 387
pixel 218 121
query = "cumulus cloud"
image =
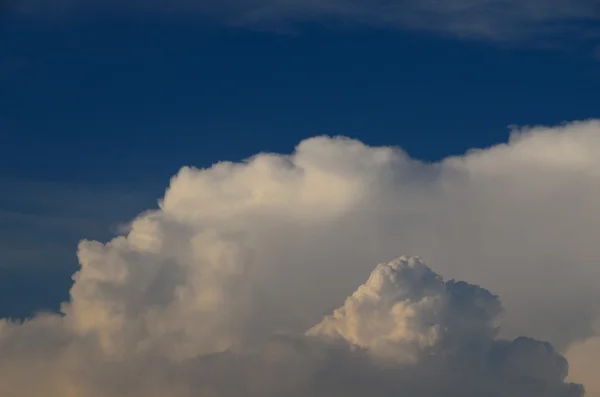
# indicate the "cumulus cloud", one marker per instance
pixel 396 312
pixel 188 300
pixel 500 20
pixel 406 310
pixel 404 332
pixel 41 225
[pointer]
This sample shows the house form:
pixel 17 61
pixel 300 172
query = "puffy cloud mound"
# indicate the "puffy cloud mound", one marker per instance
pixel 406 310
pixel 186 303
pixel 396 312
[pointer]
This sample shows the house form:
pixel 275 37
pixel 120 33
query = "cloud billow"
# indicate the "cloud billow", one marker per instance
pixel 243 281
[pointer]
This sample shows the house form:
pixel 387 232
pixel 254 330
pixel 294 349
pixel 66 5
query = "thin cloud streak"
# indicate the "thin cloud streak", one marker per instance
pixel 496 20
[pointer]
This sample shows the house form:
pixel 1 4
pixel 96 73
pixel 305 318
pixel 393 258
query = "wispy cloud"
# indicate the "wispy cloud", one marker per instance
pixel 498 20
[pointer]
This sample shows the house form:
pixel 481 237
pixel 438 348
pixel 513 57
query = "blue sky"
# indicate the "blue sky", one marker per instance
pixel 99 109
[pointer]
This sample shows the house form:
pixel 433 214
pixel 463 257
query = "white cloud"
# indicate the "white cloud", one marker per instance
pixel 405 311
pixel 239 252
pixel 396 312
pixel 389 310
pixel 41 224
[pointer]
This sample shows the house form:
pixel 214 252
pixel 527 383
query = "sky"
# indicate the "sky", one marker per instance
pixel 471 136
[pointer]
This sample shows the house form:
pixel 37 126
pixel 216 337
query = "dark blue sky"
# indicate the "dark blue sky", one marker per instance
pixel 96 115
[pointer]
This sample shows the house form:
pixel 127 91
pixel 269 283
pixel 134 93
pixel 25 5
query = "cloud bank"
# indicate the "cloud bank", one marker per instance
pixel 234 285
pixel 498 20
pixel 405 332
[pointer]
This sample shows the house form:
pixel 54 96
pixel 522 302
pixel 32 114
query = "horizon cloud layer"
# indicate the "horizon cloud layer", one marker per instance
pixel 190 299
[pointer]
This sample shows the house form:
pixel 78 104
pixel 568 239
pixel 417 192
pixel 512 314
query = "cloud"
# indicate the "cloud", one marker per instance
pixel 41 224
pixel 498 20
pixel 583 359
pixel 462 358
pixel 405 310
pixel 187 301
pixel 396 312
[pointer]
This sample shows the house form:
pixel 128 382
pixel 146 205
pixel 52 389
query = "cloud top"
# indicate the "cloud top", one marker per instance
pixel 406 310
